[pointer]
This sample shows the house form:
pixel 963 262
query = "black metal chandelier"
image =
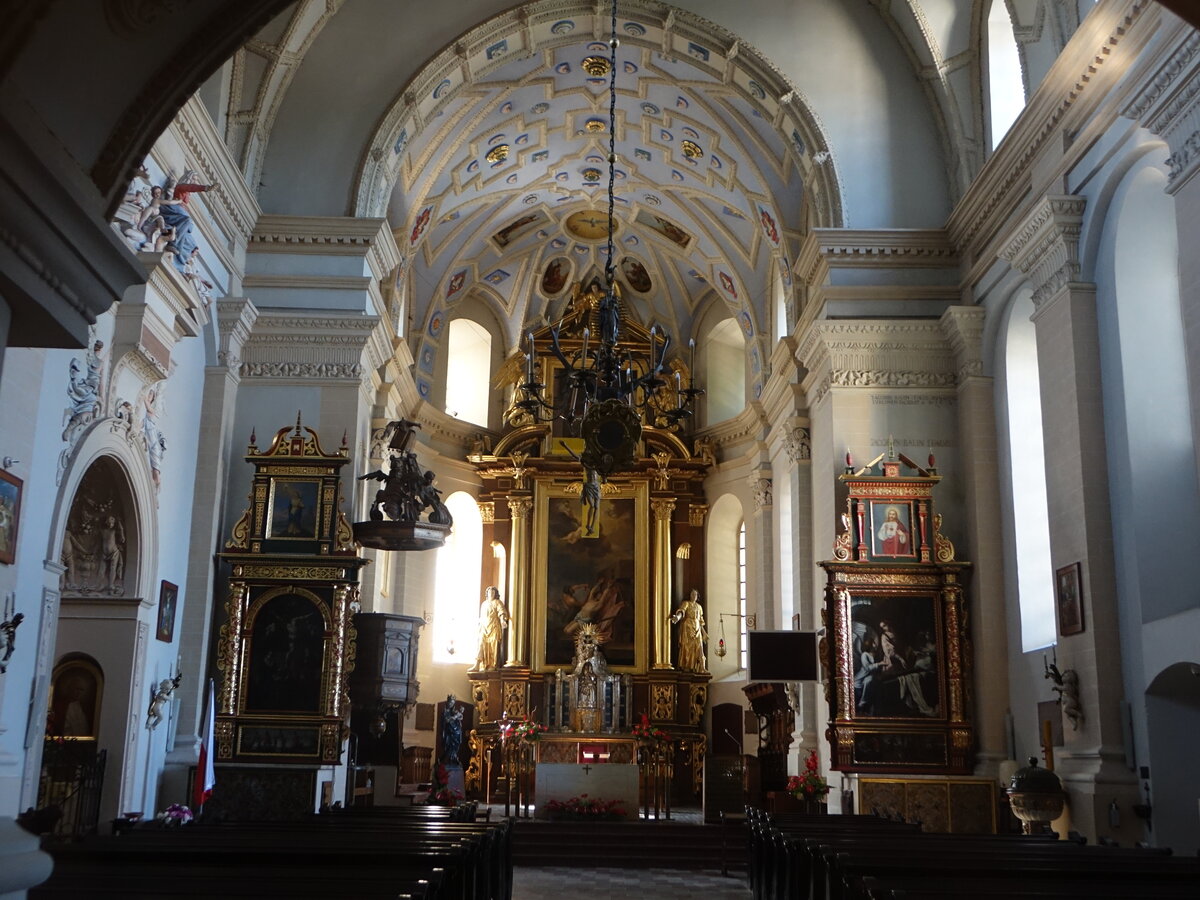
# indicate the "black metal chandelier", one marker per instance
pixel 610 385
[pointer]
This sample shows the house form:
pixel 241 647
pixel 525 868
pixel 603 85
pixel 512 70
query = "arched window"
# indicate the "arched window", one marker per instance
pixel 456 584
pixel 743 610
pixel 1006 86
pixel 1027 475
pixel 782 325
pixel 724 372
pixel 725 577
pixel 468 371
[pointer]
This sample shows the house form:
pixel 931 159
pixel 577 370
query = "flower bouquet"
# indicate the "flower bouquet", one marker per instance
pixel 440 792
pixel 174 815
pixel 585 808
pixel 522 730
pixel 808 785
pixel 646 733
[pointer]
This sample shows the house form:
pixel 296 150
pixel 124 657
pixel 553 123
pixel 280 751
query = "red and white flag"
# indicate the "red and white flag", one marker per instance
pixel 206 776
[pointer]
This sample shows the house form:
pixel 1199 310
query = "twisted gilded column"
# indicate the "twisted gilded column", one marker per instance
pixel 662 581
pixel 518 579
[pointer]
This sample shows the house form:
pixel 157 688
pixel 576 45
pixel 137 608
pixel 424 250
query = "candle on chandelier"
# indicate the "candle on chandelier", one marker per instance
pixel 678 385
pixel 586 334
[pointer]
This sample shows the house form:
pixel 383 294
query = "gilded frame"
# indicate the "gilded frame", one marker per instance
pixel 11 488
pixel 306 520
pixel 254 659
pixel 555 558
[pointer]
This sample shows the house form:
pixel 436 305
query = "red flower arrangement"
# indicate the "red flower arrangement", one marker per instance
pixel 522 730
pixel 585 807
pixel 647 733
pixel 808 785
pixel 440 792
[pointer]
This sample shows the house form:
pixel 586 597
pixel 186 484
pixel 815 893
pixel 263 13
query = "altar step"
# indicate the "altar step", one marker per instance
pixel 636 845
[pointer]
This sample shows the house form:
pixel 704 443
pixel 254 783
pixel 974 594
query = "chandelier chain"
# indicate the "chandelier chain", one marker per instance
pixel 610 265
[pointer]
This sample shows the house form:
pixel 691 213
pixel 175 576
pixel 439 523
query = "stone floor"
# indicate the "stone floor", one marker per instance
pixel 603 884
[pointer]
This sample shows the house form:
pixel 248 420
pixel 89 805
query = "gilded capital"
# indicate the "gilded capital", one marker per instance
pixel 662 509
pixel 520 507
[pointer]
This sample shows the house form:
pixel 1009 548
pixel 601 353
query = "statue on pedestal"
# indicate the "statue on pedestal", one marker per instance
pixel 691 634
pixel 493 619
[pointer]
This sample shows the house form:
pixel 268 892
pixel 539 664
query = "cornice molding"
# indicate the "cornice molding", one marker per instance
pixel 290 345
pixel 231 205
pixel 886 248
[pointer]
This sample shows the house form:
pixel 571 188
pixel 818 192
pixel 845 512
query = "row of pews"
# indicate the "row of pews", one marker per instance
pixel 830 857
pixel 428 852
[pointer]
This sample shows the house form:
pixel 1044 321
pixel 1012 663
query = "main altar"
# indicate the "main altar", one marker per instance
pixel 594 574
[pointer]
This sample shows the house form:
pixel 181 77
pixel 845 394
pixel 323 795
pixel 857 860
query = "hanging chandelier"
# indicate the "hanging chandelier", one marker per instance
pixel 610 385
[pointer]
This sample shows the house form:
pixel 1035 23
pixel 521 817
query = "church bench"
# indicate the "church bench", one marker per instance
pixel 303 855
pixel 101 882
pixel 1038 865
pixel 937 886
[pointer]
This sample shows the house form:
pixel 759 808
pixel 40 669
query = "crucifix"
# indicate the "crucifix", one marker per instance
pixel 586 769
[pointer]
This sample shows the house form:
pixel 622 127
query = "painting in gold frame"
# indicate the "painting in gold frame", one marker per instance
pixel 294 509
pixel 602 577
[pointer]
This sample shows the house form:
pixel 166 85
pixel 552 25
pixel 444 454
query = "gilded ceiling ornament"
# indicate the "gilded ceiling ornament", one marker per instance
pixel 596 66
pixel 595 126
pixel 692 150
pixel 497 154
pixel 591 174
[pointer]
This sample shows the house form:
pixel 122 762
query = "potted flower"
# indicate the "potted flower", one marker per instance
pixel 522 730
pixel 809 786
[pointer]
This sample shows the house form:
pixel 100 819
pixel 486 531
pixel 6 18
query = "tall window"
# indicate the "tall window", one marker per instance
pixel 456 584
pixel 468 371
pixel 725 371
pixel 1027 471
pixel 743 638
pixel 1006 87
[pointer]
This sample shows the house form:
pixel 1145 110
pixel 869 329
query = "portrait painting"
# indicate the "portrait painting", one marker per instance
pixel 891 529
pixel 168 598
pixel 637 276
pixel 286 656
pixel 589 579
pixel 10 516
pixel 895 657
pixel 554 279
pixel 1068 593
pixel 294 508
pixel 517 228
pixel 76 688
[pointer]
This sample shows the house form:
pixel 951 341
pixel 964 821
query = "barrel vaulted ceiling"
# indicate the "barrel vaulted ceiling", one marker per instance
pixel 489 159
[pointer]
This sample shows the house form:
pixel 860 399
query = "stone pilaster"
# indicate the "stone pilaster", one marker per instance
pixel 518 580
pixel 235 318
pixel 1045 247
pixel 760 551
pixel 963 326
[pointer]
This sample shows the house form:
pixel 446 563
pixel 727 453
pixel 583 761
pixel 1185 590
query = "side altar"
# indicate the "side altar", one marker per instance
pixel 588 630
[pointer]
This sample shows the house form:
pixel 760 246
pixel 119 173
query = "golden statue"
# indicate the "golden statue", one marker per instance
pixel 493 619
pixel 691 634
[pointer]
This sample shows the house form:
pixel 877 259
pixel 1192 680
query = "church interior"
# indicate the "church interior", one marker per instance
pixel 494 400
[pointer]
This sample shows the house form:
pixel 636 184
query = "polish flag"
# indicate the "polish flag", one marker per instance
pixel 206 776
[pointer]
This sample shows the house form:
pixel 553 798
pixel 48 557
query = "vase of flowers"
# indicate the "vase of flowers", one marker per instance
pixel 809 786
pixel 645 733
pixel 522 730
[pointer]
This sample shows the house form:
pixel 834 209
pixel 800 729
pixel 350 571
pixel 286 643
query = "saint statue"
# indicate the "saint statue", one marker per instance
pixel 493 619
pixel 452 723
pixel 690 618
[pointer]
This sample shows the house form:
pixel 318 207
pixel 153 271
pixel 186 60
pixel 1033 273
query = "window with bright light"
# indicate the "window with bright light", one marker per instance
pixel 1027 461
pixel 468 371
pixel 456 584
pixel 743 638
pixel 1006 87
pixel 724 371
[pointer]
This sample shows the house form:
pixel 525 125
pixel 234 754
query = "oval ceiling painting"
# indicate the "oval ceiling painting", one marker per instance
pixel 554 279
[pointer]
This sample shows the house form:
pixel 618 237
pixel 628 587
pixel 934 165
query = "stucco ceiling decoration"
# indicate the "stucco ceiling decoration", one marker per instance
pixel 712 143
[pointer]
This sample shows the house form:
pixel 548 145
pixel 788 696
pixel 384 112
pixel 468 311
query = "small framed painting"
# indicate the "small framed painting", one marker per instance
pixel 1068 595
pixel 10 516
pixel 168 596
